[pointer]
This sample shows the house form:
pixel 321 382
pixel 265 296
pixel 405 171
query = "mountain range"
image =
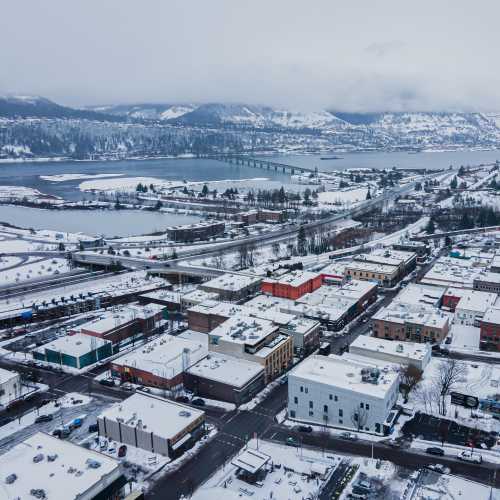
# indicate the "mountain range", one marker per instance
pixel 31 126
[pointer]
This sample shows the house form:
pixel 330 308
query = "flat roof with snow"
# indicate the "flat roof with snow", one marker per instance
pixel 251 460
pixel 417 294
pixel 231 282
pixel 404 313
pixel 492 315
pixel 226 369
pixel 404 350
pixel 6 375
pixel 477 301
pixel 294 278
pixel 164 356
pixel 338 372
pixel 244 330
pixel 75 345
pixel 65 471
pixel 149 413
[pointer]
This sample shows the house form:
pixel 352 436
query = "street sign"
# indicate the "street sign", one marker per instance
pixel 464 400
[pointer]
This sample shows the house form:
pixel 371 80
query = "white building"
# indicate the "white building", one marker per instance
pixel 10 386
pixel 58 470
pixel 472 306
pixel 153 424
pixel 391 351
pixel 332 391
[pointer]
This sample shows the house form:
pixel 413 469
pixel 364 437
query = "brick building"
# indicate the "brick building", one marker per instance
pixel 199 231
pixel 490 330
pixel 293 285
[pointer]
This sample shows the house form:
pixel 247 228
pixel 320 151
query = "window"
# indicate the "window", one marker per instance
pixel 361 405
pixel 311 413
pixel 341 412
pixel 325 408
pixel 301 389
pixel 296 400
pixel 341 421
pixel 310 404
pixel 306 390
pixel 292 413
pixel 335 398
pixel 331 397
pixel 367 406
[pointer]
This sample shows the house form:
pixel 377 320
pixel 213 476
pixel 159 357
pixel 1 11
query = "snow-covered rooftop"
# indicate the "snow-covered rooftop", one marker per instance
pixel 475 300
pixel 75 345
pixel 62 469
pixel 492 315
pixel 6 375
pixel 336 371
pixel 244 330
pixel 294 279
pixel 164 356
pixel 231 282
pixel 404 313
pixel 450 271
pixel 417 294
pixel 163 417
pixel 226 369
pixel 404 350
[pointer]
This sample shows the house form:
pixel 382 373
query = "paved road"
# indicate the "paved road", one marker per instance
pixel 236 428
pixel 405 457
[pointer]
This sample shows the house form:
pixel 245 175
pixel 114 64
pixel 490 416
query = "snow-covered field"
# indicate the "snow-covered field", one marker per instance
pixel 75 177
pixel 343 198
pixel 37 269
pixel 126 184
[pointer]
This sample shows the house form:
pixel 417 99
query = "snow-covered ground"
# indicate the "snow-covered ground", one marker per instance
pixel 126 184
pixel 36 269
pixel 75 177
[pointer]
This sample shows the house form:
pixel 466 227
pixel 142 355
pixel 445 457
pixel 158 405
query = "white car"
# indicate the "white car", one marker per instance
pixel 470 456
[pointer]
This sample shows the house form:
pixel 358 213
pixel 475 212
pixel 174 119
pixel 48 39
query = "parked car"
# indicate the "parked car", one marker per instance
pixel 62 432
pixel 198 402
pixel 127 386
pixel 182 399
pixel 122 450
pixel 435 451
pixel 305 428
pixel 43 418
pixel 440 468
pixel 77 423
pixel 107 382
pixel 470 456
pixel 93 428
pixel 291 441
pixel 349 435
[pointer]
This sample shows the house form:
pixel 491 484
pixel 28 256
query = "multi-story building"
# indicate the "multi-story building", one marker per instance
pixel 332 391
pixel 161 363
pixel 153 424
pixel 75 351
pixel 256 340
pixel 268 216
pixel 10 387
pixel 487 282
pixel 472 306
pixel 490 330
pixel 400 321
pixel 384 275
pixel 233 287
pixel 125 324
pixel 419 247
pixel 198 231
pixel 389 351
pixel 46 467
pixel 292 285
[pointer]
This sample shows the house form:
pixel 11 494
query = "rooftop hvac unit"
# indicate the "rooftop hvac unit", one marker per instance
pixel 399 348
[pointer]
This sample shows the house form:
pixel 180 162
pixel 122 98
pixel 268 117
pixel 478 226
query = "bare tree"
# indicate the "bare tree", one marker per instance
pixel 252 254
pixel 410 377
pixel 359 417
pixel 219 260
pixel 243 256
pixel 449 374
pixel 276 248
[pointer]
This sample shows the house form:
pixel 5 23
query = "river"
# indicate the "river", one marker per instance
pixel 125 223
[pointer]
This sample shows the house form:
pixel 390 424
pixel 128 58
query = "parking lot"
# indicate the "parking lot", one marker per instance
pixel 439 429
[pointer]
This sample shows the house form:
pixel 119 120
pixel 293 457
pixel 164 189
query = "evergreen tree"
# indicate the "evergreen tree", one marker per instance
pixel 368 195
pixel 204 191
pixel 302 241
pixel 454 183
pixel 430 228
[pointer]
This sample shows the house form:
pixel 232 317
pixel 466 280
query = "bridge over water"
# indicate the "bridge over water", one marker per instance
pixel 261 163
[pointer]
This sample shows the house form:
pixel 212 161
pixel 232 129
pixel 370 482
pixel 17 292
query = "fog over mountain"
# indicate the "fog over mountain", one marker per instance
pixel 347 57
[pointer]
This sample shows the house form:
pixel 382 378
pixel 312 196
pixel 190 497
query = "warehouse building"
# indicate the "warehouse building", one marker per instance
pixel 75 351
pixel 46 467
pixel 153 424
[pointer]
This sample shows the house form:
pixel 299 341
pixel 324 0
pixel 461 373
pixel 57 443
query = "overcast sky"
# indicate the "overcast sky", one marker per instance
pixel 347 55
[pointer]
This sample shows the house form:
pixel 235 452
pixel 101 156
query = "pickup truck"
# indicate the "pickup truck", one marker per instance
pixel 470 456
